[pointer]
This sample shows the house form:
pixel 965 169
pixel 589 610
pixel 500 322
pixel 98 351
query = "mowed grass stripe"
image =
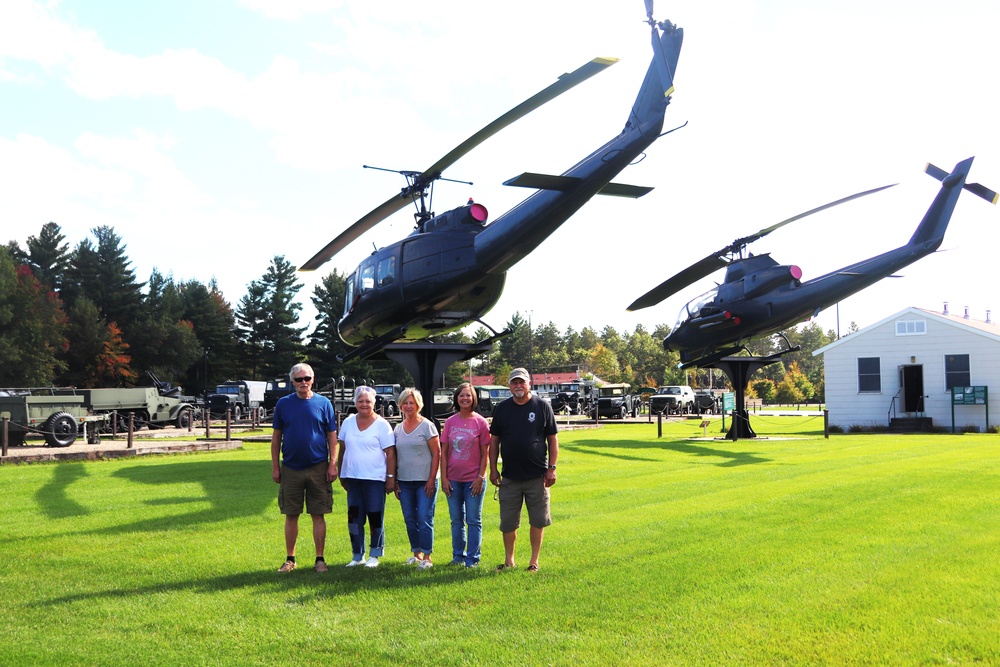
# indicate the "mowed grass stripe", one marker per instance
pixel 860 549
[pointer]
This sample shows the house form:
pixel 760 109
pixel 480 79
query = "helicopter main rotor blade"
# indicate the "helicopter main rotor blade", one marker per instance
pixel 671 286
pixel 715 261
pixel 397 202
pixel 739 243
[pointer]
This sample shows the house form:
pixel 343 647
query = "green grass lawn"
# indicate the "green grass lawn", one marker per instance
pixel 857 550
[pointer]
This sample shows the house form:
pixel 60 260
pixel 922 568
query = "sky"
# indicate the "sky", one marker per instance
pixel 216 135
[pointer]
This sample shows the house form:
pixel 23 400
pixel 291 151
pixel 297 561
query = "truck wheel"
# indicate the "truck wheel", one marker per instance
pixel 237 413
pixel 183 419
pixel 621 412
pixel 60 429
pixel 390 410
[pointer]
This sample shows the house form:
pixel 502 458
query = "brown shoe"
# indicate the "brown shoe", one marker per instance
pixel 320 566
pixel 287 566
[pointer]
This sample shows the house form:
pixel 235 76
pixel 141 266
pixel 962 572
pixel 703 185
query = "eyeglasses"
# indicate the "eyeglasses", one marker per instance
pixel 304 378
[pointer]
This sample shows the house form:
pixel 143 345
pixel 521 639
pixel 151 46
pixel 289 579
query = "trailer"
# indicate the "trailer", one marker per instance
pixel 60 415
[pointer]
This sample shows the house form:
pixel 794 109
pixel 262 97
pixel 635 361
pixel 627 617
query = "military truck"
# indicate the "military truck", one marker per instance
pixel 387 399
pixel 148 406
pixel 48 411
pixel 489 395
pixel 275 390
pixel 615 400
pixel 672 400
pixel 573 397
pixel 241 397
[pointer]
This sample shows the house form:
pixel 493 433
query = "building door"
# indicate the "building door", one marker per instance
pixel 911 381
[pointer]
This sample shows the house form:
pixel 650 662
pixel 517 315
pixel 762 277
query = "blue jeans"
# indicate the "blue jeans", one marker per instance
pixel 465 507
pixel 366 501
pixel 418 512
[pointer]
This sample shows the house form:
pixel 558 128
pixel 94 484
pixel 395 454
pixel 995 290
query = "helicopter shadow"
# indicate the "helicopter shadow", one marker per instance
pixel 232 489
pixel 52 498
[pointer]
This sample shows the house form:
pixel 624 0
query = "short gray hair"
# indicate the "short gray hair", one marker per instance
pixel 300 367
pixel 363 389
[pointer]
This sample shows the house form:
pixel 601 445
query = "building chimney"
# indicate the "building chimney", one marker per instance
pixel 966 316
pixel 988 320
pixel 946 309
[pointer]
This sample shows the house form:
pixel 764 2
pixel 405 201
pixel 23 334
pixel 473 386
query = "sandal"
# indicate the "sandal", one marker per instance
pixel 287 566
pixel 532 568
pixel 503 566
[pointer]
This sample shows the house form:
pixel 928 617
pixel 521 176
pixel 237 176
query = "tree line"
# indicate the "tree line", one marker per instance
pixel 80 317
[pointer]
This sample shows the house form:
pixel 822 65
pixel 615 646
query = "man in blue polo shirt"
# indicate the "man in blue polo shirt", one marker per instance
pixel 305 433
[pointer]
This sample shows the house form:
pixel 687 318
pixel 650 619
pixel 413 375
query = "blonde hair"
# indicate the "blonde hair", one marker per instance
pixel 418 398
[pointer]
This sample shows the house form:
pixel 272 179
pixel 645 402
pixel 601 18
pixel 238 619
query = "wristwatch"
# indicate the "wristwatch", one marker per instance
pixel 552 467
pixel 390 476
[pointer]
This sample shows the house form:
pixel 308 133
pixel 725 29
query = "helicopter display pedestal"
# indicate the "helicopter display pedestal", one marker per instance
pixel 427 361
pixel 739 370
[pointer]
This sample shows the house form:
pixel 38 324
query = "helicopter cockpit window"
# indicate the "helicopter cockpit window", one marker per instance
pixel 387 271
pixel 349 294
pixel 367 278
pixel 694 306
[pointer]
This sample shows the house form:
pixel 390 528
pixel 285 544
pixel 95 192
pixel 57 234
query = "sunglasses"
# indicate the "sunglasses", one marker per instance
pixel 304 378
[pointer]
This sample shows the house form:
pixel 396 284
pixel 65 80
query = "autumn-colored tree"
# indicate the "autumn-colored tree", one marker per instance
pixel 32 327
pixel 114 363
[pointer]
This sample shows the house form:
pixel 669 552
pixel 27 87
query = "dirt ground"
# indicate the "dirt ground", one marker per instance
pixel 146 442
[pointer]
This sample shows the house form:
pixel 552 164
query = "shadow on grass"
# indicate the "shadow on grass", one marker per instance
pixel 52 497
pixel 613 450
pixel 338 582
pixel 232 489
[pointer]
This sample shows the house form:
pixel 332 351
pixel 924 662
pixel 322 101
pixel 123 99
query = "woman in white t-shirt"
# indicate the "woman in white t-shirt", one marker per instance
pixel 465 441
pixel 367 464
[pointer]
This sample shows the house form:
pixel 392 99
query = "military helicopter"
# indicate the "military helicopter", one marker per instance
pixel 759 297
pixel 450 270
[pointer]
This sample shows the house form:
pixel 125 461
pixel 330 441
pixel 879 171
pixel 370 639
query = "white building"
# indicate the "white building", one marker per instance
pixel 905 367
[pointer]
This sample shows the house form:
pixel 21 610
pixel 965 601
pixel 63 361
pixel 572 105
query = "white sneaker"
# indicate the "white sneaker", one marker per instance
pixel 413 560
pixel 371 562
pixel 425 565
pixel 354 563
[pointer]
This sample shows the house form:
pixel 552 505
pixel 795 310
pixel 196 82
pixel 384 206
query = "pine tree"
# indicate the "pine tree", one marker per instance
pixel 48 256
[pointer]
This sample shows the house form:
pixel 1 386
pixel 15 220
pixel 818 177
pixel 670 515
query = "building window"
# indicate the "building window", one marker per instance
pixel 911 328
pixel 869 375
pixel 957 371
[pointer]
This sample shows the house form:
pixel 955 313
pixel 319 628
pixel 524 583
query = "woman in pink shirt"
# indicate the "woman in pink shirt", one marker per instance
pixel 465 440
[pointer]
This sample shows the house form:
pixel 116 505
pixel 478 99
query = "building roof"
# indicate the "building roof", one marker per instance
pixel 536 378
pixel 978 327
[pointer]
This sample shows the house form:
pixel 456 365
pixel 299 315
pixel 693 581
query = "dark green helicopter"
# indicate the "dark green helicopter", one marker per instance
pixel 451 269
pixel 759 296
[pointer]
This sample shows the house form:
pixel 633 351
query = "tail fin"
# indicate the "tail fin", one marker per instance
pixel 935 222
pixel 654 95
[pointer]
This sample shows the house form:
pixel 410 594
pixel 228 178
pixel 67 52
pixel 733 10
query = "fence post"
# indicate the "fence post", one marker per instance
pixel 131 424
pixel 6 422
pixel 229 425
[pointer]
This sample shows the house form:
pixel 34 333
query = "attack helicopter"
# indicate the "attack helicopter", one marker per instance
pixel 759 297
pixel 450 270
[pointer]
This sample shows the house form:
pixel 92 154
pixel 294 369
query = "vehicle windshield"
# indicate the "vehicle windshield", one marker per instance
pixel 228 389
pixel 670 390
pixel 693 307
pixel 613 391
pixel 383 390
pixel 499 394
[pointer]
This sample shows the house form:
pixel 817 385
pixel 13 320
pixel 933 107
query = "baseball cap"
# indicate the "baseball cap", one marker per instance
pixel 517 373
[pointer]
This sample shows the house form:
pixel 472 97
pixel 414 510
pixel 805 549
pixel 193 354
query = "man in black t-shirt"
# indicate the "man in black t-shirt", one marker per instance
pixel 523 433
